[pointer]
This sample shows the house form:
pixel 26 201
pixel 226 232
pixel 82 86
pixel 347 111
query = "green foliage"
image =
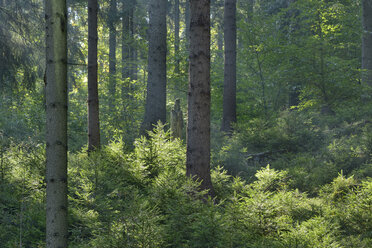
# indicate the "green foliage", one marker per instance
pixel 142 198
pixel 316 232
pixel 301 109
pixel 22 196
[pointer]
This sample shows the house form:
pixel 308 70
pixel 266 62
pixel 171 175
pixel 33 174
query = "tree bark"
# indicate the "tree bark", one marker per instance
pixel 199 95
pixel 125 47
pixel 177 35
pixel 155 109
pixel 129 53
pixel 367 41
pixel 187 23
pixel 229 89
pixel 56 123
pixel 132 45
pixel 112 17
pixel 176 122
pixel 93 103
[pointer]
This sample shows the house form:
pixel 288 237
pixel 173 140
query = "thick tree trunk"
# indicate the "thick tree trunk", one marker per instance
pixel 229 89
pixel 199 96
pixel 155 109
pixel 93 103
pixel 56 123
pixel 112 52
pixel 177 35
pixel 367 42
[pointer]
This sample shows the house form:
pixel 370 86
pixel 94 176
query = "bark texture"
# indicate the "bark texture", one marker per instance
pixel 199 95
pixel 229 86
pixel 155 109
pixel 367 41
pixel 177 35
pixel 93 103
pixel 112 17
pixel 56 123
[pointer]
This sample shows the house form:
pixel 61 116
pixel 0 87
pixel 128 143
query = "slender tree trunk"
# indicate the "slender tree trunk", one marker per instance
pixel 93 103
pixel 177 35
pixel 56 123
pixel 112 52
pixel 220 41
pixel 367 41
pixel 125 47
pixel 187 29
pixel 176 123
pixel 132 46
pixel 199 96
pixel 155 109
pixel 229 89
pixel 187 22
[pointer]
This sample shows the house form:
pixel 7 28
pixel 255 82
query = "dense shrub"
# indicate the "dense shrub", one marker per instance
pixel 142 198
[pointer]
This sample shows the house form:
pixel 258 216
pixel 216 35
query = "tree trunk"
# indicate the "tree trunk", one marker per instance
pixel 56 123
pixel 129 53
pixel 187 23
pixel 187 29
pixel 93 103
pixel 220 41
pixel 125 47
pixel 177 35
pixel 155 109
pixel 176 122
pixel 133 49
pixel 229 89
pixel 112 16
pixel 367 42
pixel 199 95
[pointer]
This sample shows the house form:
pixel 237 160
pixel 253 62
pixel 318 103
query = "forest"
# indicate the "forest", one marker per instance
pixel 186 123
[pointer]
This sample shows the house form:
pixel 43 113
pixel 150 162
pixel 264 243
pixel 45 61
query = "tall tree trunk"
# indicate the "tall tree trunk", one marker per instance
pixel 199 95
pixel 93 103
pixel 177 35
pixel 187 22
pixel 112 17
pixel 56 123
pixel 132 46
pixel 155 109
pixel 125 47
pixel 187 28
pixel 220 41
pixel 229 89
pixel 367 41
